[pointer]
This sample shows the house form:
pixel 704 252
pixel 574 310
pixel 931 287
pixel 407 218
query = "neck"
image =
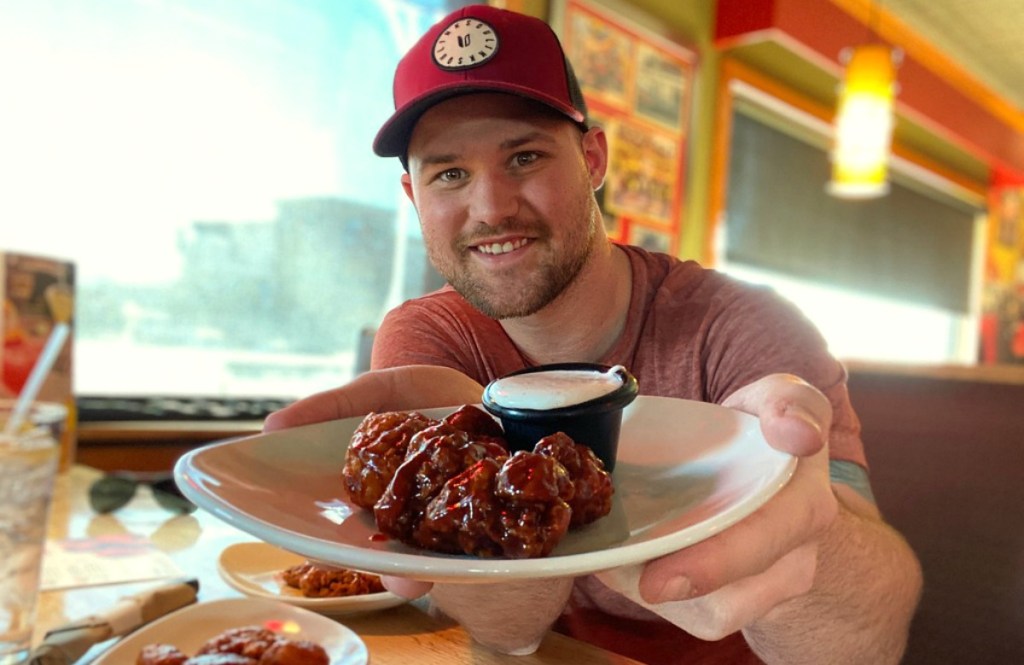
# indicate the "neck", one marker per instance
pixel 585 321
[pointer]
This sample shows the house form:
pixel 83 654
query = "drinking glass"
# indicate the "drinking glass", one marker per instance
pixel 28 464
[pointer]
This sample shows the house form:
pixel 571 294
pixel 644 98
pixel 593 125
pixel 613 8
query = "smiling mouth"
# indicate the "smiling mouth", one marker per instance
pixel 496 248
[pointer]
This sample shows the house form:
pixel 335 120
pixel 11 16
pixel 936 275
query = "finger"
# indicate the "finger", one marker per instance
pixel 404 587
pixel 796 515
pixel 393 389
pixel 795 416
pixel 736 606
pixel 318 408
pixel 425 386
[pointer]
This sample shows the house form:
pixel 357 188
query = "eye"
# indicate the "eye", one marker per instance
pixel 451 175
pixel 525 158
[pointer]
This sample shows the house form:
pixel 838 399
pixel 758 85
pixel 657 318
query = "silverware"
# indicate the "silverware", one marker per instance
pixel 66 644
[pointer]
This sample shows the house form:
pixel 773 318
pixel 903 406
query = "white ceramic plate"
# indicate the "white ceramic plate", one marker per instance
pixel 190 627
pixel 685 471
pixel 254 569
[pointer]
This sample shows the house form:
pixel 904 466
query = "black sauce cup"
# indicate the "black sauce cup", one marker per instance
pixel 595 423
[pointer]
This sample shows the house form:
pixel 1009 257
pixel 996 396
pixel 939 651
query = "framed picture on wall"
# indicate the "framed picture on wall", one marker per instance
pixel 1002 317
pixel 662 86
pixel 643 172
pixel 601 55
pixel 637 84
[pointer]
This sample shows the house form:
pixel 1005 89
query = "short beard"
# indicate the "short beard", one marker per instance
pixel 545 285
pixel 541 288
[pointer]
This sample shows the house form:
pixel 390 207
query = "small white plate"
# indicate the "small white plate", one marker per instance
pixel 255 568
pixel 685 471
pixel 190 627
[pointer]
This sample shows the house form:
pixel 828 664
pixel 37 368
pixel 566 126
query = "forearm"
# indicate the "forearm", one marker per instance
pixel 867 585
pixel 509 617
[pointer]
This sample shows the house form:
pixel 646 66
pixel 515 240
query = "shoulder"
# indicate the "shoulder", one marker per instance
pixel 443 314
pixel 444 302
pixel 442 328
pixel 673 281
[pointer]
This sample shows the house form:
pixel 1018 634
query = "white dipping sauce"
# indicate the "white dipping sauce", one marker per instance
pixel 554 389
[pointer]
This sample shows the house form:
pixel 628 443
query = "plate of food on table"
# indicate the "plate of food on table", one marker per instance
pixel 262 570
pixel 239 631
pixel 436 495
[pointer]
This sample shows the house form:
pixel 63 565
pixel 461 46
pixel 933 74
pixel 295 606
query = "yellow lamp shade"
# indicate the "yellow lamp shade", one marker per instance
pixel 864 122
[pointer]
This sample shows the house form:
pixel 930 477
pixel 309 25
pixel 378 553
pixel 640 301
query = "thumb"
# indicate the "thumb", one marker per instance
pixel 795 416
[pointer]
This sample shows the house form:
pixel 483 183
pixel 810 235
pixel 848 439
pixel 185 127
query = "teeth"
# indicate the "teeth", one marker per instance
pixel 501 248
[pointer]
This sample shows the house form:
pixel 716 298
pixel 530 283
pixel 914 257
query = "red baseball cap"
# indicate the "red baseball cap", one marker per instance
pixel 479 49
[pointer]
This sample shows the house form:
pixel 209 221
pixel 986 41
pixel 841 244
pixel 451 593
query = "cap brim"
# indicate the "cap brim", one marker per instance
pixel 393 138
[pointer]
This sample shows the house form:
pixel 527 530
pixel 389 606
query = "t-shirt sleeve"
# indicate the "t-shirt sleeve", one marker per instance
pixel 443 330
pixel 409 335
pixel 760 333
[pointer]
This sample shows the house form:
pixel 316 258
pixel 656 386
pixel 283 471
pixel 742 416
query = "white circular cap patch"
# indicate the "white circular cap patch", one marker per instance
pixel 467 42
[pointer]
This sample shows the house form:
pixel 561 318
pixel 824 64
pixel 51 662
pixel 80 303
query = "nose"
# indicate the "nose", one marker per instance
pixel 494 198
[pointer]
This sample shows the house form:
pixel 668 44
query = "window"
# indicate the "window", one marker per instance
pixel 891 279
pixel 207 167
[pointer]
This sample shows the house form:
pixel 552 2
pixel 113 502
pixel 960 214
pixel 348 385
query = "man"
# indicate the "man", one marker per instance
pixel 502 169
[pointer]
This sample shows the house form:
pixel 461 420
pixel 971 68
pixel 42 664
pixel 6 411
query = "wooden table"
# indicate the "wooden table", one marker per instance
pixel 396 636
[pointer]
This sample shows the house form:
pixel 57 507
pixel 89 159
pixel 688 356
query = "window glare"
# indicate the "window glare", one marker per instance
pixel 863 327
pixel 207 167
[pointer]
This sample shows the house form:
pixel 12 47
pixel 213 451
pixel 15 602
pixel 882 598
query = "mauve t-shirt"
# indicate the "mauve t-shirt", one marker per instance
pixel 691 333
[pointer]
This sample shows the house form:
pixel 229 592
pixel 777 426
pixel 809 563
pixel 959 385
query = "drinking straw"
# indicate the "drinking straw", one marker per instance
pixel 36 377
pixel 60 302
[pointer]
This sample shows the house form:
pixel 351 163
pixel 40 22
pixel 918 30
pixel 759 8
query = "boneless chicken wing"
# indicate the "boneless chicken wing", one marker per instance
pixel 592 498
pixel 435 455
pixel 249 641
pixel 535 492
pixel 477 424
pixel 461 517
pixel 516 509
pixel 295 652
pixel 245 645
pixel 451 485
pixel 321 581
pixel 160 654
pixel 376 451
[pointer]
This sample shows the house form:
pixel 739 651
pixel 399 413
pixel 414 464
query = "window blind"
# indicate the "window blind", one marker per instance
pixel 909 245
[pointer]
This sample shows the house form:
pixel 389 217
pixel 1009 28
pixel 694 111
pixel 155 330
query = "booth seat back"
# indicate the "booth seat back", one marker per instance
pixel 947 468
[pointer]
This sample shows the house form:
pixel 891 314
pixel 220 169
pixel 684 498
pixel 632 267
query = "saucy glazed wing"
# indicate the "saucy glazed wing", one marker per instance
pixel 450 485
pixel 295 652
pixel 536 491
pixel 160 654
pixel 435 455
pixel 461 517
pixel 516 509
pixel 476 423
pixel 376 451
pixel 593 485
pixel 246 645
pixel 248 641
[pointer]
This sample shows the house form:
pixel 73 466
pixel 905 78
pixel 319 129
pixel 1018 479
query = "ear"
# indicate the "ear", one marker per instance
pixel 595 153
pixel 407 187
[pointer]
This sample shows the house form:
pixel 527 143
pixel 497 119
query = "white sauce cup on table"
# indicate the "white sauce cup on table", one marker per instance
pixel 583 400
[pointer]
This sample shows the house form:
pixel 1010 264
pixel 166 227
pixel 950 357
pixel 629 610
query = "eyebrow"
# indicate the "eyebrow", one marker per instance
pixel 508 144
pixel 542 137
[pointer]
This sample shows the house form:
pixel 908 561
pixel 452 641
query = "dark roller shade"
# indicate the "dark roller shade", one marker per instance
pixel 907 245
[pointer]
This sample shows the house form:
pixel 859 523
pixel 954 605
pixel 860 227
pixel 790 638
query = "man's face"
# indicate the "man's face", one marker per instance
pixel 504 193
